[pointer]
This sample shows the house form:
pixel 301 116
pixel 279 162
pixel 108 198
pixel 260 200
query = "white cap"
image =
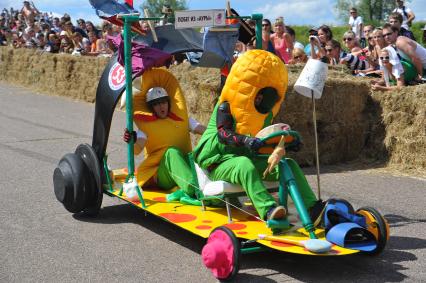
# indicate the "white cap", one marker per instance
pixel 155 93
pixel 63 33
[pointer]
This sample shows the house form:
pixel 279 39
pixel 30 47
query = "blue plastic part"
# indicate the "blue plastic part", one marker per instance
pixel 344 235
pixel 317 246
pixel 344 215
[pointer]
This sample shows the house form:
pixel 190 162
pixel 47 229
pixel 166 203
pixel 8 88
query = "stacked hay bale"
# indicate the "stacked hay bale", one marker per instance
pixel 352 122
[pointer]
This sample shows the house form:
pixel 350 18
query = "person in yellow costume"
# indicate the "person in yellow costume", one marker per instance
pixel 251 97
pixel 163 133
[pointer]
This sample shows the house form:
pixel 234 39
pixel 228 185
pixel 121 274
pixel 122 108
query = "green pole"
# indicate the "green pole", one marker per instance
pixel 297 198
pixel 258 18
pixel 129 97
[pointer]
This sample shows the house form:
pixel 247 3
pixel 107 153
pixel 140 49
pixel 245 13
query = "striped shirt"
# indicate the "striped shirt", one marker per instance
pixel 354 62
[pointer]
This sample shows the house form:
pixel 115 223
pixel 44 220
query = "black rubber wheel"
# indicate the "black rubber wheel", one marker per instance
pixel 236 252
pixel 92 177
pixel 379 224
pixel 68 182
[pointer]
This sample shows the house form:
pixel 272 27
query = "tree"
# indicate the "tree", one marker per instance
pixel 155 6
pixel 372 11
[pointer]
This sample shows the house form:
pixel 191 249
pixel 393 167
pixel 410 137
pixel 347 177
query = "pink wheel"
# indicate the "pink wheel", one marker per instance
pixel 222 253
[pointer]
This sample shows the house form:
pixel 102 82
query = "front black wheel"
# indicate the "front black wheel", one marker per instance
pixel 93 183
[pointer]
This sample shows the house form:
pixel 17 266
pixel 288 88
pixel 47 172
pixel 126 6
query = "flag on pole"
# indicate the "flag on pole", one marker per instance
pixel 109 9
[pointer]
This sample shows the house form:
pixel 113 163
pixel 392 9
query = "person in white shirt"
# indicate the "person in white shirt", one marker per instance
pixel 392 71
pixel 408 49
pixel 407 14
pixel 356 25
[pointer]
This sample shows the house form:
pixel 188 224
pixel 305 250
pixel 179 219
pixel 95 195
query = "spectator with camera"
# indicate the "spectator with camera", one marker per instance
pixel 312 32
pixel 318 42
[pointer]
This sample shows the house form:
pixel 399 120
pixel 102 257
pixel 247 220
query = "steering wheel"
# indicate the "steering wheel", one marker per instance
pixel 291 138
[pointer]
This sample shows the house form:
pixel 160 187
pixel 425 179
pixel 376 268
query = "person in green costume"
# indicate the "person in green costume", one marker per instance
pixel 231 157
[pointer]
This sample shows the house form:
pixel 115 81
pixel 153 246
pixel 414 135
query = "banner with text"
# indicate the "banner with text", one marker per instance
pixel 199 18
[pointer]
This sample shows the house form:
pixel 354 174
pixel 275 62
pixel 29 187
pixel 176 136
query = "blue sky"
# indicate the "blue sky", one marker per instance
pixel 295 12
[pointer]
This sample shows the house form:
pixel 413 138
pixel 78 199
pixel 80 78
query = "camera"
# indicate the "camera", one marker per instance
pixel 313 38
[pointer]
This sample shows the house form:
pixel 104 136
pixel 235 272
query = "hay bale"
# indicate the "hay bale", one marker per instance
pixel 404 116
pixel 352 122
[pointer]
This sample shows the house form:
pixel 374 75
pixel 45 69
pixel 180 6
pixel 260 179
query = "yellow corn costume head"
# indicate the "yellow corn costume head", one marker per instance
pixel 158 77
pixel 255 71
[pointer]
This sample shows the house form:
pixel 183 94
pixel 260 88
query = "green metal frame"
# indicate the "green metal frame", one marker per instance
pixel 287 181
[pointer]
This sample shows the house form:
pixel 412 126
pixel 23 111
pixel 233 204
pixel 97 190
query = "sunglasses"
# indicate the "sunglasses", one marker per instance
pixel 328 50
pixel 377 36
pixel 386 58
pixel 387 34
pixel 265 25
pixel 298 57
pixel 347 39
pixel 353 12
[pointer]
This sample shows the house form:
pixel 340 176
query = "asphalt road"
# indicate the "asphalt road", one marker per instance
pixel 41 242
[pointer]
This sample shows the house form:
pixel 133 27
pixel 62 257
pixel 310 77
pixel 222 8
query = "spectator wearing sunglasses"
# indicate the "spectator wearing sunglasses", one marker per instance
pixel 266 36
pixel 395 19
pixel 368 53
pixel 298 56
pixel 409 50
pixel 391 69
pixel 334 52
pixel 353 59
pixel 351 43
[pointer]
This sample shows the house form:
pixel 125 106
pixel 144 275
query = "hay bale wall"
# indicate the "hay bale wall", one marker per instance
pixel 352 122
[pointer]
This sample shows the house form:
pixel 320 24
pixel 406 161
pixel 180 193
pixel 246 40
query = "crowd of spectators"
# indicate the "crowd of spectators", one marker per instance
pixel 389 53
pixel 29 28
